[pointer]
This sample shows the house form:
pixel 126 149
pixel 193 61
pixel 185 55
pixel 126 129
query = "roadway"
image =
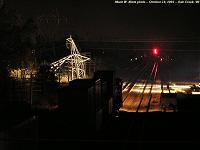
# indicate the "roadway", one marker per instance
pixel 150 101
pixel 143 92
pixel 137 94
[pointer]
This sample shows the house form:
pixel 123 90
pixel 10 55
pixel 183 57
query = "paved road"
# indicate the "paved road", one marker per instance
pixel 137 96
pixel 133 97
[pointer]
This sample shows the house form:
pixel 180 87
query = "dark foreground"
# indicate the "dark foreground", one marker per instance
pixel 56 130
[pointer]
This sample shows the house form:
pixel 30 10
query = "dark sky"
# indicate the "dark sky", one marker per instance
pixel 106 20
pixel 103 20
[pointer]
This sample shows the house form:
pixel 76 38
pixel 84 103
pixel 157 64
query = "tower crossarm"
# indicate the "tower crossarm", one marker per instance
pixel 75 60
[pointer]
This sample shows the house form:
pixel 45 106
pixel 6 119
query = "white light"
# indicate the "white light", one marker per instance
pixel 195 93
pixel 76 61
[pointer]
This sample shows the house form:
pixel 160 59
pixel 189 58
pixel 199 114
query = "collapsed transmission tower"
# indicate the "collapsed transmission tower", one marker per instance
pixel 75 61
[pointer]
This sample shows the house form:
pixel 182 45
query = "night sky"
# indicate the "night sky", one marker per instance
pixel 107 20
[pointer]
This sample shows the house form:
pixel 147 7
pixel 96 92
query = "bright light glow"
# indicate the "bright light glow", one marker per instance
pixel 138 88
pixel 196 93
pixel 124 83
pixel 126 89
pixel 22 73
pixel 63 78
pixel 155 51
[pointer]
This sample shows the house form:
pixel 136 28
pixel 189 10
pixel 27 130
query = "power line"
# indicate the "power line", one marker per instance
pixel 143 41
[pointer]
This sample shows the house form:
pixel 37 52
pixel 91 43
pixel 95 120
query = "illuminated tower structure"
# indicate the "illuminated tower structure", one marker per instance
pixel 76 62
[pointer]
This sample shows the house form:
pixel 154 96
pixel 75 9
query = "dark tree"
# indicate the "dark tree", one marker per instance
pixel 10 28
pixel 5 84
pixel 48 82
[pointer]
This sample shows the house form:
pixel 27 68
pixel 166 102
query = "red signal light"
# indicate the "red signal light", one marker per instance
pixel 155 51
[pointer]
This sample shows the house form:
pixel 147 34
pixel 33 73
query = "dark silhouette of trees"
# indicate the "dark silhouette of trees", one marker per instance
pixel 48 84
pixel 5 84
pixel 19 39
pixel 10 27
pixel 24 42
pixel 23 45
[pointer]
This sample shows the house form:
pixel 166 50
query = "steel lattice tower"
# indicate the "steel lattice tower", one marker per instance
pixel 75 61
